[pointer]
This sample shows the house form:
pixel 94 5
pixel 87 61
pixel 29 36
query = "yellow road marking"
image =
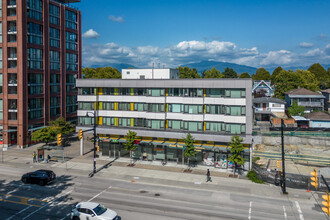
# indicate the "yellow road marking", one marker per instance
pixel 24 200
pixel 22 203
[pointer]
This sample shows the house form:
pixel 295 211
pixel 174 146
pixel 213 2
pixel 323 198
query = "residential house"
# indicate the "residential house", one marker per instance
pixel 318 119
pixel 266 107
pixel 326 94
pixel 262 88
pixel 304 97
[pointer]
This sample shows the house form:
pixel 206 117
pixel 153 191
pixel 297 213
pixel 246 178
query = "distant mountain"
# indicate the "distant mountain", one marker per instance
pixel 206 65
pixel 271 69
pixel 118 66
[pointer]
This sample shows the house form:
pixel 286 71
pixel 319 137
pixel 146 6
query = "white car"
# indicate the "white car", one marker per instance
pixel 91 211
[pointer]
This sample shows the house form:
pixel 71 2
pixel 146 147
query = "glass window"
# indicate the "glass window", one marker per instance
pixel 192 126
pixel 156 124
pixel 108 121
pixel 175 92
pixel 54 60
pixel 35 58
pixel 34 33
pixel 54 14
pixel 138 107
pixel 139 122
pixel 174 124
pixel 108 106
pixel 86 105
pixel 36 108
pixel 156 107
pixel 193 109
pixel 0 31
pixel 156 92
pixel 86 91
pixel 86 121
pixel 71 62
pixel 35 9
pixel 213 126
pixel 124 122
pixel 54 37
pixel 214 92
pixel 71 40
pixel 1 83
pixel 174 107
pixel 235 93
pixel 235 110
pixel 235 128
pixel 70 19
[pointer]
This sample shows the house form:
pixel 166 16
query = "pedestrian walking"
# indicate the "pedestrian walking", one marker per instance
pixel 208 176
pixel 34 157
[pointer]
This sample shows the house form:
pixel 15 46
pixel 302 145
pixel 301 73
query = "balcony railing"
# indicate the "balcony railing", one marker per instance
pixel 320 104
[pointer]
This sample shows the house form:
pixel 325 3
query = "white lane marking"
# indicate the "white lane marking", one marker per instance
pixel 285 215
pixel 299 211
pixel 23 210
pixel 65 216
pixel 250 210
pixel 47 204
pixel 98 194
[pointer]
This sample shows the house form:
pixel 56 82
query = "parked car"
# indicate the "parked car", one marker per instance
pixel 41 177
pixel 92 210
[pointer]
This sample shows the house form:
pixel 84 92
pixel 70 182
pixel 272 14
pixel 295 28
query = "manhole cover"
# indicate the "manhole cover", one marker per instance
pixel 157 194
pixel 143 191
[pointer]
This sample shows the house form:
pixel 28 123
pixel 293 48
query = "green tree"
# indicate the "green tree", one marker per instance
pixel 187 73
pixel 229 73
pixel 189 149
pixel 130 143
pixel 296 110
pixel 62 126
pixel 101 73
pixel 212 73
pixel 261 74
pixel 49 134
pixel 244 75
pixel 289 80
pixel 319 72
pixel 236 151
pixel 44 135
pixel 276 72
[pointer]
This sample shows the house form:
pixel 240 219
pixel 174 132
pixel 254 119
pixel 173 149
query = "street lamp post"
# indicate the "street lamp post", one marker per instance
pixel 94 149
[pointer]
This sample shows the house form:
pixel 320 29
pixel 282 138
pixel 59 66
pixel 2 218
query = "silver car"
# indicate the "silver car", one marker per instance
pixel 93 211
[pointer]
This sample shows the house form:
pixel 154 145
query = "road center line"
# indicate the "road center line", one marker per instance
pixel 98 194
pixel 23 210
pixel 285 215
pixel 47 204
pixel 299 211
pixel 250 210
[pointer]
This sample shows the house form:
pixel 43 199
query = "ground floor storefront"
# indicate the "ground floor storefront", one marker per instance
pixel 151 149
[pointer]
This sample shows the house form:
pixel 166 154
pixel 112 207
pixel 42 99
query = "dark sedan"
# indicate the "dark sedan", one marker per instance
pixel 41 177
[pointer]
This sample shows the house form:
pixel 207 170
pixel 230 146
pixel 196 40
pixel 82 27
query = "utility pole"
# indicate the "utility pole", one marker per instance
pixel 94 167
pixel 283 159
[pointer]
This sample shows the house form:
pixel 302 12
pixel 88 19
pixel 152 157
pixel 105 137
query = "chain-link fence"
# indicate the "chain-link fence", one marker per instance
pixel 292 180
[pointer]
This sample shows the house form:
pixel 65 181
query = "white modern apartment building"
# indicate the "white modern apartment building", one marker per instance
pixel 163 111
pixel 150 73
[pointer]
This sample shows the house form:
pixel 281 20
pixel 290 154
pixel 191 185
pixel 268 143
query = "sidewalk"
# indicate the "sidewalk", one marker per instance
pixel 171 174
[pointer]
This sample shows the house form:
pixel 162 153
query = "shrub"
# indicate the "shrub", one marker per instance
pixel 252 175
pixel 255 159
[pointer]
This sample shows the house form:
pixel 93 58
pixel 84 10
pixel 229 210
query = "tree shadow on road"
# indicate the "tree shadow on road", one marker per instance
pixel 53 200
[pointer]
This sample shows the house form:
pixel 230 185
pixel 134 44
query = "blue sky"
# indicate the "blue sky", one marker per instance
pixel 174 32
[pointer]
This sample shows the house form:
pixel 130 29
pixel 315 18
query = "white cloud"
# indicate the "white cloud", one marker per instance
pixel 91 34
pixel 195 51
pixel 118 19
pixel 306 44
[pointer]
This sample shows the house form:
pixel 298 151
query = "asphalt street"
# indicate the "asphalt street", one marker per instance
pixel 139 200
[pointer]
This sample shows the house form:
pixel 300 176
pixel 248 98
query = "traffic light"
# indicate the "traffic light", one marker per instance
pixel 314 178
pixel 97 148
pixel 278 163
pixel 80 134
pixel 59 139
pixel 326 203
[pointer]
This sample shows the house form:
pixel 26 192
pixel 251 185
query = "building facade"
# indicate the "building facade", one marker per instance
pixel 304 97
pixel 262 88
pixel 266 107
pixel 326 94
pixel 150 73
pixel 163 112
pixel 40 60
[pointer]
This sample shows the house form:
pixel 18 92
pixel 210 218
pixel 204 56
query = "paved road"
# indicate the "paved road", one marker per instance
pixel 139 200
